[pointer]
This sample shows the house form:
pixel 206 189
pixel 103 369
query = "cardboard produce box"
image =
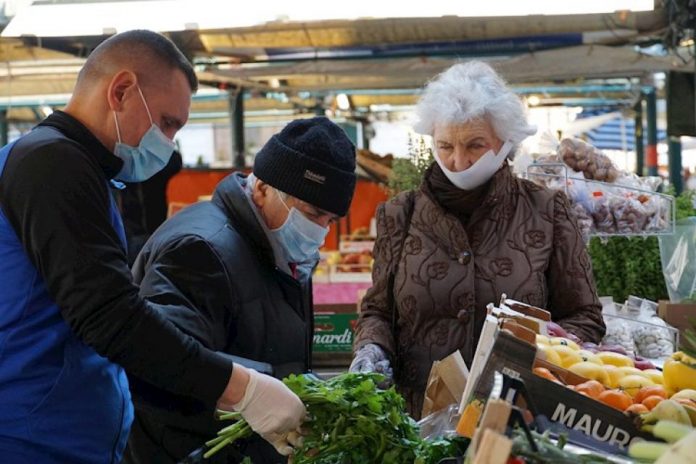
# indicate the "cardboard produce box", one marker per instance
pixel 611 428
pixel 677 314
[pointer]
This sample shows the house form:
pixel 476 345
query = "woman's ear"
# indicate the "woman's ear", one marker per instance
pixel 122 83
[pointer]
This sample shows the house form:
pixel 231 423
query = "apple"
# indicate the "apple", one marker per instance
pixel 589 346
pixel 556 330
pixel 615 348
pixel 643 364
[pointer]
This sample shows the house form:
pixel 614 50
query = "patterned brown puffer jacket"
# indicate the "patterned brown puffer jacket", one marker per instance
pixel 523 241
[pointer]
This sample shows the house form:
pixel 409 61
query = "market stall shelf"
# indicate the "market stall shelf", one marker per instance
pixel 626 207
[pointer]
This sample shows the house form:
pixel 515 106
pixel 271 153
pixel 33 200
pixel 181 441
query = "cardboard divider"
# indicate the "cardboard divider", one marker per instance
pixel 528 310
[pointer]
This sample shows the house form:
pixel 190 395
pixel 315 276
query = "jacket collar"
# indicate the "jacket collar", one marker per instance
pixel 502 186
pixel 446 229
pixel 230 196
pixel 75 130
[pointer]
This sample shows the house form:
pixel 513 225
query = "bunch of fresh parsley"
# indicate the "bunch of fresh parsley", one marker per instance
pixel 352 421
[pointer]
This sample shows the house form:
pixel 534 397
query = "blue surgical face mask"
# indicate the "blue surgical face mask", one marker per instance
pixel 299 237
pixel 150 156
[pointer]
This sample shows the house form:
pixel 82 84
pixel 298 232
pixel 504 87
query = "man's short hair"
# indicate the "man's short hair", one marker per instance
pixel 140 48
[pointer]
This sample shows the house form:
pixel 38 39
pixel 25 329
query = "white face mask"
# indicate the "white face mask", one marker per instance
pixel 480 172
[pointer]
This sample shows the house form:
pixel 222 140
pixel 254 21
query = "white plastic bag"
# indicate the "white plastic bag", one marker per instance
pixel 678 256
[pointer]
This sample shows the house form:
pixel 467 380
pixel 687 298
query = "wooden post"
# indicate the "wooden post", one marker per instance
pixel 494 449
pixel 495 417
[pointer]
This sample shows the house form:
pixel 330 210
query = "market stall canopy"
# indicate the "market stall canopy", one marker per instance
pixel 20 78
pixel 587 61
pixel 309 24
pixel 572 63
pixel 44 46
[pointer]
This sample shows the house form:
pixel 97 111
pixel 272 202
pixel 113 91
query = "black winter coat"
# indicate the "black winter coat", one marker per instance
pixel 212 271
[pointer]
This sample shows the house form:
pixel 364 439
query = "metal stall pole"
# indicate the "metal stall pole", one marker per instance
pixel 4 128
pixel 640 151
pixel 236 106
pixel 675 164
pixel 651 110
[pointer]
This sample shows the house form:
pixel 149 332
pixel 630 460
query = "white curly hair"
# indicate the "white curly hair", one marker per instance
pixel 470 91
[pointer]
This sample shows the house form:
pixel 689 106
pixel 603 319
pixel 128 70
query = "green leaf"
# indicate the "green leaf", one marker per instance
pixel 407 173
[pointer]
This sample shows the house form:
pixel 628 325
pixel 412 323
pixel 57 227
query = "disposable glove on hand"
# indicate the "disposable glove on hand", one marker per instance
pixel 272 410
pixel 372 358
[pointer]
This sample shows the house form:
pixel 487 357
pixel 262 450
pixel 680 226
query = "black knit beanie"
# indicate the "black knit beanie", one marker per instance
pixel 312 160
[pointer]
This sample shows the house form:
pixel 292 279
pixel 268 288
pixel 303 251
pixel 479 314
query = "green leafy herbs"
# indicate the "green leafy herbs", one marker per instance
pixel 352 421
pixel 407 173
pixel 548 451
pixel 628 266
pixel 434 451
pixel 684 204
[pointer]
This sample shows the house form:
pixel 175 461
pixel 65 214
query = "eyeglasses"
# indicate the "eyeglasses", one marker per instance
pixel 311 212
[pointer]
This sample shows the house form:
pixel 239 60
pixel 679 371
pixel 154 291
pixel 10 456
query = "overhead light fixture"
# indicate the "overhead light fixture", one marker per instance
pixel 343 102
pixel 687 43
pixel 533 100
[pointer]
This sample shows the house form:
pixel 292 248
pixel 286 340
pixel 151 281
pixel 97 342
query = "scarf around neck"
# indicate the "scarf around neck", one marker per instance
pixel 461 203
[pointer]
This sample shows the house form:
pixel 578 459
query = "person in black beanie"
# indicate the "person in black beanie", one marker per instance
pixel 235 274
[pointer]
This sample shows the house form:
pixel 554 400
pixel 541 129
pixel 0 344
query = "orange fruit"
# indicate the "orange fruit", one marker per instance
pixel 592 388
pixel 650 390
pixel 545 373
pixel 637 409
pixel 616 399
pixel 651 401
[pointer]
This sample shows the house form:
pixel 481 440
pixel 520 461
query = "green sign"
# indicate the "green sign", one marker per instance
pixel 334 332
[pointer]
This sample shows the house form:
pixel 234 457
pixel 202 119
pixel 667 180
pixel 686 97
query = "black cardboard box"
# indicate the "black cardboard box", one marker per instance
pixel 558 403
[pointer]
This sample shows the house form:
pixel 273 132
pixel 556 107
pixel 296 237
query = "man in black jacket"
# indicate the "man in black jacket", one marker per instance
pixel 71 318
pixel 235 274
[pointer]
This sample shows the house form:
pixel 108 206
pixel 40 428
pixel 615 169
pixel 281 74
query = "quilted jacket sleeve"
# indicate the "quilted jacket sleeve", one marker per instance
pixel 375 321
pixel 573 299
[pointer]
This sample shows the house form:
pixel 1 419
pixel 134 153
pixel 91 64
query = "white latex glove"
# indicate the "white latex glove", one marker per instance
pixel 272 410
pixel 372 358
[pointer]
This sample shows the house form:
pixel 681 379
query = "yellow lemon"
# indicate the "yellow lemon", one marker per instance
pixel 568 355
pixel 632 383
pixel 564 341
pixel 549 355
pixel 590 371
pixel 654 375
pixel 616 359
pixel 590 357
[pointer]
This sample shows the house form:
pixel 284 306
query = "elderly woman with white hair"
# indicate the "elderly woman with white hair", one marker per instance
pixel 470 232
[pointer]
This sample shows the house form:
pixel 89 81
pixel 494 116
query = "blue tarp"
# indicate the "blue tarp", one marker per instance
pixel 609 136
